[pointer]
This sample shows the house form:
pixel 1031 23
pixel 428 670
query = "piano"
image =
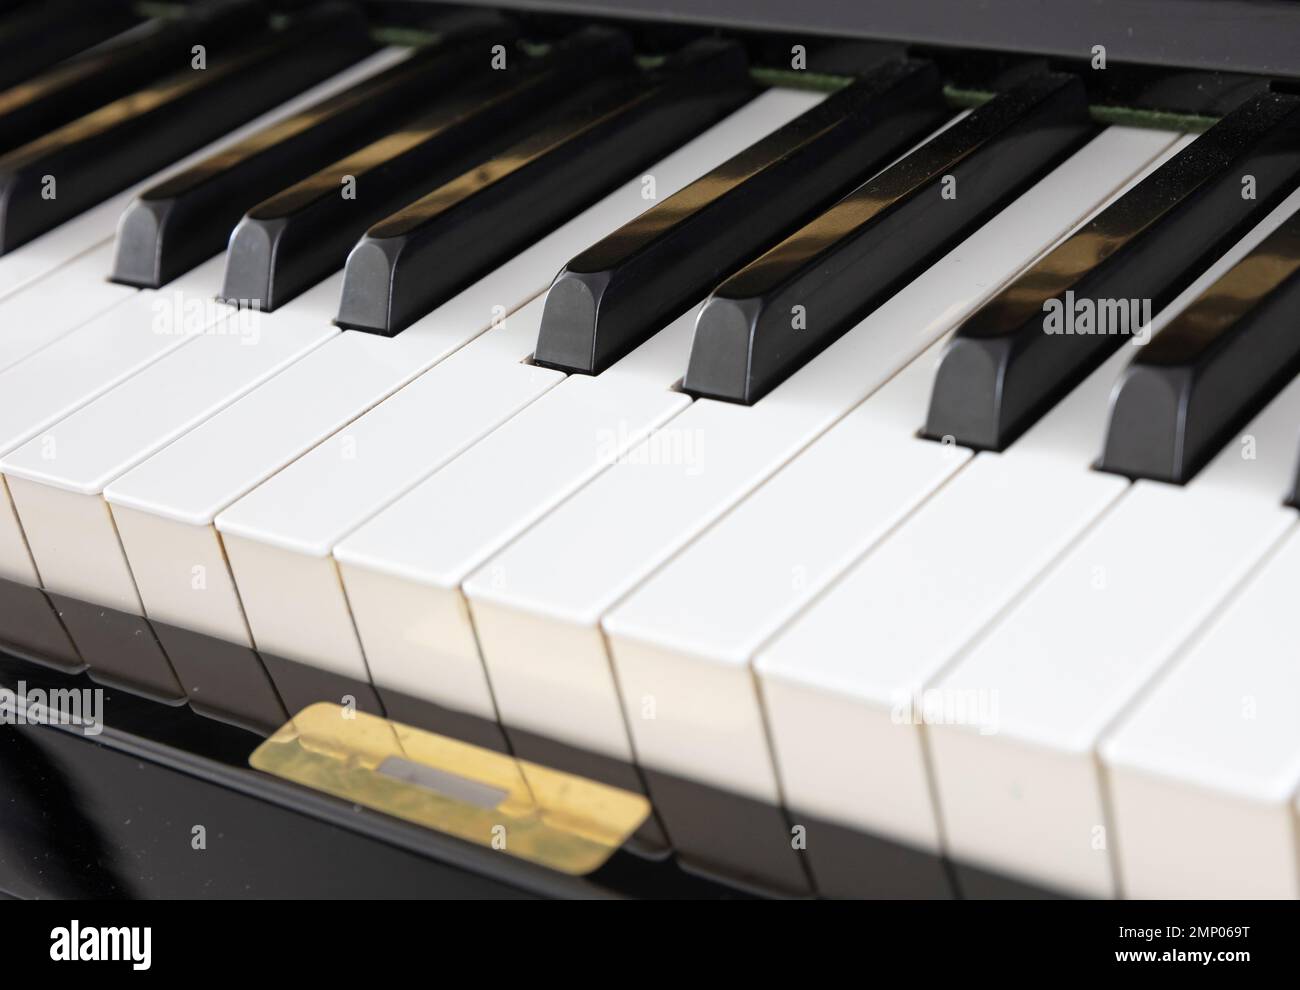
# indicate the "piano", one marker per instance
pixel 676 450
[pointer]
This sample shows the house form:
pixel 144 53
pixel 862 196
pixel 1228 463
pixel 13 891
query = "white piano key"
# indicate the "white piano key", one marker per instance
pixel 190 482
pixel 1202 770
pixel 278 538
pixel 402 570
pixel 843 676
pixel 537 605
pixel 1082 641
pixel 57 478
pixel 96 226
pixel 49 307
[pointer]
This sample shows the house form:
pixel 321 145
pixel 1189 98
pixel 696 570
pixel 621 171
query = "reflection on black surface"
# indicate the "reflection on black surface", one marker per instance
pixel 981 885
pixel 423 714
pixel 222 680
pixel 30 628
pixel 120 649
pixel 847 863
pixel 301 685
pixel 49 845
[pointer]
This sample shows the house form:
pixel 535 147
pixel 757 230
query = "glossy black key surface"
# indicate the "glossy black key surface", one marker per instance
pixel 762 324
pixel 188 218
pixel 1206 374
pixel 1021 352
pixel 419 257
pixel 38 35
pixel 626 287
pixel 155 49
pixel 76 166
pixel 297 237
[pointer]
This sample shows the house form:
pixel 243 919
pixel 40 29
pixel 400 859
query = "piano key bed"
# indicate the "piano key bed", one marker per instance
pixel 890 476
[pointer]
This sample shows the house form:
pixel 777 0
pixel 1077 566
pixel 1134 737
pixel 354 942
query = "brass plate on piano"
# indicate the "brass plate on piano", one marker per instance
pixel 555 819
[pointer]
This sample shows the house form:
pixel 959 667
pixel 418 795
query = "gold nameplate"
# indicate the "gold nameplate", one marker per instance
pixel 556 819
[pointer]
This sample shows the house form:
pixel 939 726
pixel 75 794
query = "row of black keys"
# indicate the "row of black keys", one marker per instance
pixel 458 162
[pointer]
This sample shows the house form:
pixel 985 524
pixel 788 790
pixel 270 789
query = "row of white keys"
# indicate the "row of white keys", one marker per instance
pixel 57 478
pixel 845 679
pixel 40 312
pixel 1203 772
pixel 166 508
pixel 279 537
pixel 81 366
pixel 174 498
pixel 97 225
pixel 838 683
pixel 687 636
pixel 538 605
pixel 402 570
pixel 1021 792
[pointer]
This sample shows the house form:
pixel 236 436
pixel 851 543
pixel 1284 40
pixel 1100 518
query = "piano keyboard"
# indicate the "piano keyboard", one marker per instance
pixel 875 466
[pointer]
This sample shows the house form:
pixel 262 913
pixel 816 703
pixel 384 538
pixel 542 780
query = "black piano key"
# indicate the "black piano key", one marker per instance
pixel 1008 363
pixel 188 218
pixel 303 233
pixel 624 288
pixel 38 35
pixel 70 169
pixel 417 258
pixel 155 49
pixel 770 318
pixel 1206 374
